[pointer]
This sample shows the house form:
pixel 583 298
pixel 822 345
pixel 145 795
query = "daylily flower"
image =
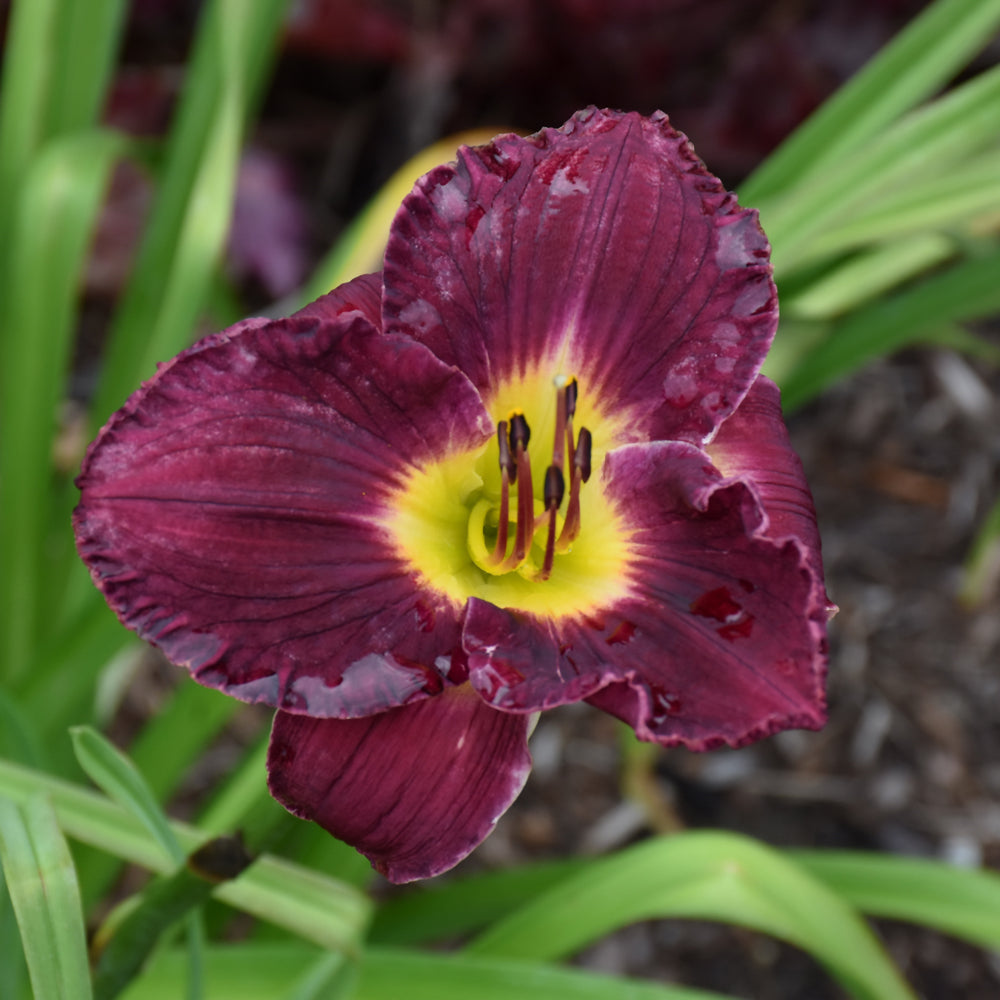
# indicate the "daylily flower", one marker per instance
pixel 530 463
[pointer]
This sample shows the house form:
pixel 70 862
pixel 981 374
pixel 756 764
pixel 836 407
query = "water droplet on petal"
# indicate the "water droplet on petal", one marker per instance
pixel 664 705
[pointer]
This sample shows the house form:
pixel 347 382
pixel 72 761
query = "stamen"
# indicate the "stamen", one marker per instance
pixel 520 434
pixel 555 487
pixel 581 473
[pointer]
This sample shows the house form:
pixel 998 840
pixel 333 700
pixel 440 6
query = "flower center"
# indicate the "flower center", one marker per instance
pixel 570 452
pixel 472 525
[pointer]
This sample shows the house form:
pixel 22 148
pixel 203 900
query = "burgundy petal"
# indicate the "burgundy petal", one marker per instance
pixel 414 789
pixel 717 641
pixel 753 444
pixel 361 296
pixel 603 250
pixel 229 513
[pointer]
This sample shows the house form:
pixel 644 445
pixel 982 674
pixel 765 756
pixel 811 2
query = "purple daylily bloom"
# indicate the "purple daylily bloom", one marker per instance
pixel 532 462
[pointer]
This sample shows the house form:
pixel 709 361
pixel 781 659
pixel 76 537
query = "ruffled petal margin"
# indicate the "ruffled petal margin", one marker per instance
pixel 604 250
pixel 414 789
pixel 753 445
pixel 231 512
pixel 718 641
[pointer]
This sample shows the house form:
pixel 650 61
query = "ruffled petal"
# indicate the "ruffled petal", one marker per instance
pixel 753 445
pixel 362 296
pixel 604 250
pixel 414 789
pixel 231 512
pixel 716 641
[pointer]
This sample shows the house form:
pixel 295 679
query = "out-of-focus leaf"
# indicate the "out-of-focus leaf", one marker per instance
pixel 59 199
pixel 919 61
pixel 317 908
pixel 263 972
pixel 958 901
pixel 41 880
pixel 706 876
pixel 966 290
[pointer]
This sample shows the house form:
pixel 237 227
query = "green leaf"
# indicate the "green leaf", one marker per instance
pixel 967 193
pixel 438 909
pixel 927 143
pixel 117 776
pixel 182 245
pixel 317 908
pixel 962 902
pixel 42 883
pixel 967 290
pixel 865 276
pixel 59 199
pixel 915 64
pixel 88 33
pixel 263 972
pixel 707 876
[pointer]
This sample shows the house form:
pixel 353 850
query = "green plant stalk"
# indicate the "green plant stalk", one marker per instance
pixel 162 904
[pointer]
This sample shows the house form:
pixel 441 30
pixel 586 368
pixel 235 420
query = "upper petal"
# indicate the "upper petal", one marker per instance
pixel 414 789
pixel 603 250
pixel 717 640
pixel 231 513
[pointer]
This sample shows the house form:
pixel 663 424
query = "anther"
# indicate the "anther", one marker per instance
pixel 553 496
pixel 581 459
pixel 555 487
pixel 581 473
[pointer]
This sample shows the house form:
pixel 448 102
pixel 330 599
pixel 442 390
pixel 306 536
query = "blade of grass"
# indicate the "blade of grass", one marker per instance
pixel 24 91
pixel 42 883
pixel 119 779
pixel 707 876
pixel 51 230
pixel 866 275
pixel 87 37
pixel 184 240
pixel 437 911
pixel 965 291
pixel 262 972
pixel 928 141
pixel 317 908
pixel 958 901
pixel 915 64
pixel 967 192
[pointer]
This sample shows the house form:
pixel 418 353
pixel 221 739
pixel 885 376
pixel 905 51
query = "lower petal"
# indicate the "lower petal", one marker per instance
pixel 414 789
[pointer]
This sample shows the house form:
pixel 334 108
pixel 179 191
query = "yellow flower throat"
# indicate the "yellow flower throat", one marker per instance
pixel 521 528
